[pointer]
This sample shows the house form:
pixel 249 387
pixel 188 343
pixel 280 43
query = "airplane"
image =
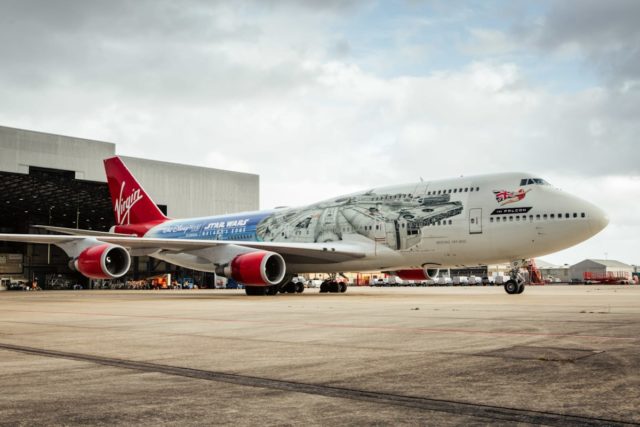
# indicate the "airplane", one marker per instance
pixel 411 231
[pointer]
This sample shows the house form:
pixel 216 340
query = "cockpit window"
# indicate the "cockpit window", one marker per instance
pixel 533 181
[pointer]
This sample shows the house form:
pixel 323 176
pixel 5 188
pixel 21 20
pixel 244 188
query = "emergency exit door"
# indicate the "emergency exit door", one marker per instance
pixel 475 221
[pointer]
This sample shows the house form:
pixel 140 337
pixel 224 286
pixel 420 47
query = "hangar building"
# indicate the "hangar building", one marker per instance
pixel 598 269
pixel 49 179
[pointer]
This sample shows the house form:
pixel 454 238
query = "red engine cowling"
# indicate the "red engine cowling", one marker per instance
pixel 104 261
pixel 417 274
pixel 259 268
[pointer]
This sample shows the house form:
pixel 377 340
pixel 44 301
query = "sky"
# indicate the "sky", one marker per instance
pixel 322 98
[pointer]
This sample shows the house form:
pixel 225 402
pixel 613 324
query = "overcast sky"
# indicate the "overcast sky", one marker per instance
pixel 322 98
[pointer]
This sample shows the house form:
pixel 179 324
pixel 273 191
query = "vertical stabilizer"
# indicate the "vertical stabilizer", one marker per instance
pixel 131 204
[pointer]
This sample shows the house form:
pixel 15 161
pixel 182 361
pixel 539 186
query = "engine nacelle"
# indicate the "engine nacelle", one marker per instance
pixel 417 273
pixel 259 268
pixel 104 261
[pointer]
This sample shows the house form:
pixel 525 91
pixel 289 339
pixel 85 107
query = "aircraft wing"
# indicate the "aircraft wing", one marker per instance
pixel 78 231
pixel 309 252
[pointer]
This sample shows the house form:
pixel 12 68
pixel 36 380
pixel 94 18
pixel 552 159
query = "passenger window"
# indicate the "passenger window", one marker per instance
pixel 517 217
pixel 575 215
pixel 450 222
pixel 438 191
pixel 471 189
pixel 582 215
pixel 491 219
pixel 510 218
pixel 466 189
pixel 449 191
pixel 552 216
pixel 460 190
pixel 530 217
pixel 473 221
pixel 566 215
pixel 538 216
pixel 544 216
pixel 455 190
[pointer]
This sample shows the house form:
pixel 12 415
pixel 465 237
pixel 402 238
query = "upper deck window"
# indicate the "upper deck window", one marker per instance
pixel 533 181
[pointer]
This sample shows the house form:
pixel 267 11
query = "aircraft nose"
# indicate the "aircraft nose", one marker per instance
pixel 598 219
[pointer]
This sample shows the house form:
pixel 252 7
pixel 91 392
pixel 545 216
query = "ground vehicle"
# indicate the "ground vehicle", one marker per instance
pixel 314 283
pixel 486 281
pixel 379 282
pixel 395 280
pixel 460 280
pixel 500 279
pixel 444 281
pixel 474 280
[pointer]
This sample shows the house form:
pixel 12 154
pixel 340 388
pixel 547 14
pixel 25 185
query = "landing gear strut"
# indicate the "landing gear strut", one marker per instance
pixel 516 282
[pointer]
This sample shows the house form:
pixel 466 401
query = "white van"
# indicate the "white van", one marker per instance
pixel 444 281
pixel 500 279
pixel 474 280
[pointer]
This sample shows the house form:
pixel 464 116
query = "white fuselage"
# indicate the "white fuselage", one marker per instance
pixel 463 221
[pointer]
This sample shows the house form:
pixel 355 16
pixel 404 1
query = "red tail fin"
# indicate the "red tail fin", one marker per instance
pixel 131 204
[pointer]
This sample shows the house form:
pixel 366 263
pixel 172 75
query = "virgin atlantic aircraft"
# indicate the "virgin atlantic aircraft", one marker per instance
pixel 410 230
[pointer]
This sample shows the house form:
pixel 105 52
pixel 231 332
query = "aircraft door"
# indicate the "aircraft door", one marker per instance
pixel 475 221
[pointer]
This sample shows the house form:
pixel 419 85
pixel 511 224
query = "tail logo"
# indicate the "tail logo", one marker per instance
pixel 123 206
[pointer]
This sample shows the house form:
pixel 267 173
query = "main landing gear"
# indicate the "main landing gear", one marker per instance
pixel 286 286
pixel 333 286
pixel 516 282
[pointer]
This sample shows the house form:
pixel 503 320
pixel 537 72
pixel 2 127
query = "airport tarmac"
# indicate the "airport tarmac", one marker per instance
pixel 555 355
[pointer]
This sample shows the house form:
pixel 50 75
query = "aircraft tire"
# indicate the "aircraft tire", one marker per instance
pixel 291 288
pixel 271 290
pixel 511 287
pixel 521 288
pixel 334 287
pixel 299 288
pixel 323 288
pixel 343 288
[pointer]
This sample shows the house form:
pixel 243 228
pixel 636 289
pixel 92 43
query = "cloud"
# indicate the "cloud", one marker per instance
pixel 487 41
pixel 605 34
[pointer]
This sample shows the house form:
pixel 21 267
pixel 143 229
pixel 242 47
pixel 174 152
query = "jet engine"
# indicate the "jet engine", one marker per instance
pixel 417 273
pixel 259 268
pixel 105 261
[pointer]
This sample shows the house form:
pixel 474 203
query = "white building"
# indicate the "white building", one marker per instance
pixel 49 179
